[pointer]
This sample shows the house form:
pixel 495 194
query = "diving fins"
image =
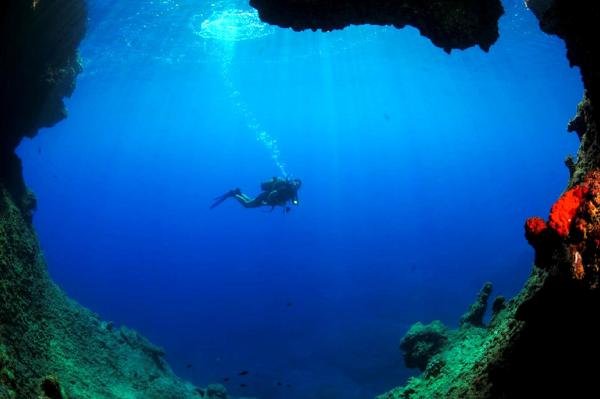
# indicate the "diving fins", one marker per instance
pixel 220 199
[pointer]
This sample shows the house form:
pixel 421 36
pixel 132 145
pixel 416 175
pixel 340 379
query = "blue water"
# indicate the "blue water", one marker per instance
pixel 419 169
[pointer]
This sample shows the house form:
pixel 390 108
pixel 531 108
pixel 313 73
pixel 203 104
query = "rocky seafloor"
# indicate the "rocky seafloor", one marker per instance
pixel 539 343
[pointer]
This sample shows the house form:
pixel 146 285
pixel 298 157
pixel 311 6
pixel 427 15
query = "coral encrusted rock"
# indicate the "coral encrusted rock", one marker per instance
pixel 49 345
pixel 474 315
pixel 422 342
pixel 449 357
pixel 569 243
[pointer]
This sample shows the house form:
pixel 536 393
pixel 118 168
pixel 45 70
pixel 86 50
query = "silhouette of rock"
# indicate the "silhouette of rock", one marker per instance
pixel 449 24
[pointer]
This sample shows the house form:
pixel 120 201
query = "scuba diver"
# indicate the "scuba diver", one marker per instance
pixel 275 192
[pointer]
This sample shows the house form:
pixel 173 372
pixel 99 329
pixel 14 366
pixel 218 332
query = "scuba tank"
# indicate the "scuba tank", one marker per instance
pixel 269 184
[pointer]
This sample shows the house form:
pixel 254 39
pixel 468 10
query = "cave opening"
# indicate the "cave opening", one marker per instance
pixel 419 169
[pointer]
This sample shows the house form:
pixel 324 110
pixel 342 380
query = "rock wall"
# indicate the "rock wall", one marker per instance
pixel 38 67
pixel 51 347
pixel 576 22
pixel 38 64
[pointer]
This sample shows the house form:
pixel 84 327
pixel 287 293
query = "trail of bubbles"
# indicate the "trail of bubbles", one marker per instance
pixel 227 32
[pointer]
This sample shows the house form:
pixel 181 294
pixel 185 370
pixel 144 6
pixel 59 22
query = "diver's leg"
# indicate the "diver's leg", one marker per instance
pixel 247 202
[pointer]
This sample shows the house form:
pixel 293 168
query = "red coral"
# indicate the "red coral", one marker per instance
pixel 534 226
pixel 564 210
pixel 573 228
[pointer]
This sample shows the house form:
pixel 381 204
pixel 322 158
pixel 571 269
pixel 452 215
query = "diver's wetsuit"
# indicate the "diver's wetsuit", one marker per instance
pixel 276 192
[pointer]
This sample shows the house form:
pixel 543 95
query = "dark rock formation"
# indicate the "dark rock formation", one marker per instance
pixel 474 315
pixel 553 345
pixel 51 389
pixel 422 342
pixel 576 22
pixel 38 67
pixel 38 64
pixel 498 305
pixel 50 347
pixel 450 24
pixel 11 178
pixel 588 156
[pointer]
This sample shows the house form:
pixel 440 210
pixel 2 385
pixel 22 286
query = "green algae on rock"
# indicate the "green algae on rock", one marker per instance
pixel 532 347
pixel 474 315
pixel 48 341
pixel 455 371
pixel 422 342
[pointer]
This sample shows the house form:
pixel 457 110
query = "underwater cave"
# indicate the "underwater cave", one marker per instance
pixel 426 190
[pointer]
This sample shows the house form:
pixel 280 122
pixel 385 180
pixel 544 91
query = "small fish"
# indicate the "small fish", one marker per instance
pixel 279 383
pixel 288 385
pixel 289 304
pixel 188 366
pixel 243 385
pixel 226 379
pixel 386 116
pixel 243 372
